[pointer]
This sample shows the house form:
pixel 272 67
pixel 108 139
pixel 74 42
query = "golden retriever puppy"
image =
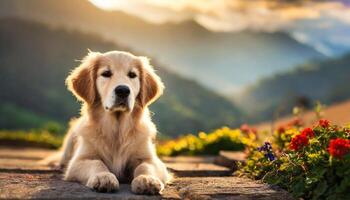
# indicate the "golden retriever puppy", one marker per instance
pixel 113 140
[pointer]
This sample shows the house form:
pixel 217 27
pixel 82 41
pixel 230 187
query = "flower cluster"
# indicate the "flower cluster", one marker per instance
pixel 281 129
pixel 324 123
pixel 245 128
pixel 205 143
pixel 312 163
pixel 298 142
pixel 339 147
pixel 301 140
pixel 308 132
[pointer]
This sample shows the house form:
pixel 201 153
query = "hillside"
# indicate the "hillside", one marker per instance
pixel 35 60
pixel 326 81
pixel 232 59
pixel 338 114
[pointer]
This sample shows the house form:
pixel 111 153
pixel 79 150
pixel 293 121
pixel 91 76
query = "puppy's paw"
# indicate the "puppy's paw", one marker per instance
pixel 146 184
pixel 103 182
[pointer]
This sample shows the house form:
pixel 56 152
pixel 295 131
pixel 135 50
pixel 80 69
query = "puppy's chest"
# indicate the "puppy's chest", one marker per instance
pixel 118 160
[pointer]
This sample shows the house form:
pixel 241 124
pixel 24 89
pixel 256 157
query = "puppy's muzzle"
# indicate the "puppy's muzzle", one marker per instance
pixel 122 93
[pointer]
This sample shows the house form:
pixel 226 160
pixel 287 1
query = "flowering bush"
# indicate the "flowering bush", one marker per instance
pixel 211 143
pixel 40 138
pixel 313 163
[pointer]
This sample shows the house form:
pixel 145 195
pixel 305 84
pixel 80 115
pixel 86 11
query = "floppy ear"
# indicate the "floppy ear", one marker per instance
pixel 81 81
pixel 151 85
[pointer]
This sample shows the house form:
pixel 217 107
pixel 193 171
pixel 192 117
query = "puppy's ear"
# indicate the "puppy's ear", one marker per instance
pixel 81 82
pixel 151 85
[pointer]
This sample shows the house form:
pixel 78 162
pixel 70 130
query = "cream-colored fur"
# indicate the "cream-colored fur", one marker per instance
pixel 108 144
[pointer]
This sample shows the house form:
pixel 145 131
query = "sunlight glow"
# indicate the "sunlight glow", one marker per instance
pixel 106 4
pixel 230 15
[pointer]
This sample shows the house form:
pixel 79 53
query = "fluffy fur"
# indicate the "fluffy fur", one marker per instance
pixel 105 146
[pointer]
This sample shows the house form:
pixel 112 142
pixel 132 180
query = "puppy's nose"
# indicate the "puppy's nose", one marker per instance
pixel 122 91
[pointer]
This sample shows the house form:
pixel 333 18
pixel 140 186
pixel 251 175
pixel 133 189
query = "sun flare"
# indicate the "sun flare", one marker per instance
pixel 106 4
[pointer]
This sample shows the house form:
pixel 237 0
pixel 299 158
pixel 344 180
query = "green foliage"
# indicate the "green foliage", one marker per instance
pixel 12 116
pixel 314 170
pixel 36 59
pixel 54 128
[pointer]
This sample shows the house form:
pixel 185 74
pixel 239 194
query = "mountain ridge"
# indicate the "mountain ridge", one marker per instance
pixel 325 81
pixel 232 59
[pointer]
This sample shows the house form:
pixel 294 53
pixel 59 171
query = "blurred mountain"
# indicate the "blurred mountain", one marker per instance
pixel 36 58
pixel 221 61
pixel 324 81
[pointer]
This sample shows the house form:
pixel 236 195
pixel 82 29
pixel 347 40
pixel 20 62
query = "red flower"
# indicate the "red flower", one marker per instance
pixel 281 129
pixel 298 142
pixel 308 132
pixel 339 147
pixel 324 123
pixel 245 128
pixel 254 130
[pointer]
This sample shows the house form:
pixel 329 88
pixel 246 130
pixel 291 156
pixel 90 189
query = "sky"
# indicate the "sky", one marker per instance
pixel 323 24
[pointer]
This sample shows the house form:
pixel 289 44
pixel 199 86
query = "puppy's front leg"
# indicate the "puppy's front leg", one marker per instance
pixel 92 173
pixel 149 178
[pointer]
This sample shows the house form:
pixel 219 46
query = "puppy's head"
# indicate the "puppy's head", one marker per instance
pixel 115 80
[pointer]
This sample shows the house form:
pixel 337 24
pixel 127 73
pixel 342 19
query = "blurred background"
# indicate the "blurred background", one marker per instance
pixel 223 62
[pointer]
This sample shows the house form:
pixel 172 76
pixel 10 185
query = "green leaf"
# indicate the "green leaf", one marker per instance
pixel 320 189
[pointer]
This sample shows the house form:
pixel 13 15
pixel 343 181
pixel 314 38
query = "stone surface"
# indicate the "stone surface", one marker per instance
pixel 198 169
pixel 22 164
pixel 230 159
pixel 227 188
pixel 189 159
pixel 23 158
pixel 22 177
pixel 195 166
pixel 24 153
pixel 51 185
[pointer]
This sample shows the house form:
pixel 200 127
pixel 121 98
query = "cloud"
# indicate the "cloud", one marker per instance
pixel 240 15
pixel 230 15
pixel 301 37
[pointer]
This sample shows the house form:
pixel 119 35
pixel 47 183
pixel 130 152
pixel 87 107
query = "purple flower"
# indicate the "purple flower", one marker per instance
pixel 267 149
pixel 270 156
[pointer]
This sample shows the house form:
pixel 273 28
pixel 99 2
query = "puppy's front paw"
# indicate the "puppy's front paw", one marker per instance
pixel 103 182
pixel 146 184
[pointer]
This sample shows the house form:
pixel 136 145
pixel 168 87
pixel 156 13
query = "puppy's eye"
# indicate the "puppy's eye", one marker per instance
pixel 132 75
pixel 106 74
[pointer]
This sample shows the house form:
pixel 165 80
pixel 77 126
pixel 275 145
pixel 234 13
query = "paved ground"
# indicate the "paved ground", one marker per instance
pixel 21 177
